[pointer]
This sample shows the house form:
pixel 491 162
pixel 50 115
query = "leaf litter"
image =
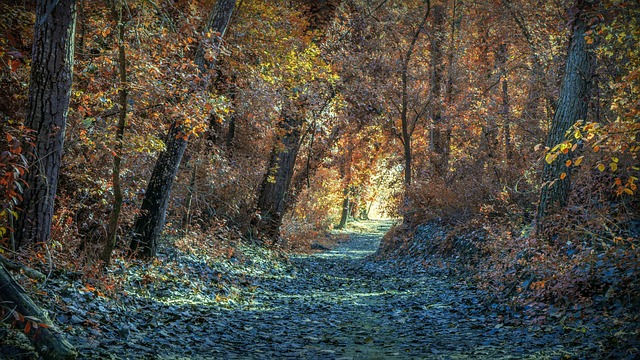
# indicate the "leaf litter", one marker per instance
pixel 340 303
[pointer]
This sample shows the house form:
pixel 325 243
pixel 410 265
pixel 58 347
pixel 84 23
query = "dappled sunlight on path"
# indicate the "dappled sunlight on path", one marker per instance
pixel 338 304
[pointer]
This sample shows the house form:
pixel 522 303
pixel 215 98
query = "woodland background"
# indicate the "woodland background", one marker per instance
pixel 274 121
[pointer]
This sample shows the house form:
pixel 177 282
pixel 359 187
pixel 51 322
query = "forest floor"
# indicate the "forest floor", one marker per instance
pixel 335 304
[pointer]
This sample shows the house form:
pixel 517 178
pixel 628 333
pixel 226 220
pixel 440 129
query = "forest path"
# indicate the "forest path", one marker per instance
pixel 339 305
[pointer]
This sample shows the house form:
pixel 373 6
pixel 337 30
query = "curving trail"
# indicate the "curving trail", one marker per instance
pixel 338 305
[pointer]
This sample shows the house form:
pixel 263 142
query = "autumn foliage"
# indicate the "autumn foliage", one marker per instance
pixel 469 87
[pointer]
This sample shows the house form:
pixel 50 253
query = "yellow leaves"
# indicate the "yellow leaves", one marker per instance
pixel 601 167
pixel 578 161
pixel 550 158
pixel 613 165
pixel 577 134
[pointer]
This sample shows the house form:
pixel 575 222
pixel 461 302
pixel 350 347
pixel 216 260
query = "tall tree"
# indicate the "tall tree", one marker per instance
pixel 112 229
pixel 274 189
pixel 49 94
pixel 572 106
pixel 276 182
pixel 440 133
pixel 148 226
pixel 407 131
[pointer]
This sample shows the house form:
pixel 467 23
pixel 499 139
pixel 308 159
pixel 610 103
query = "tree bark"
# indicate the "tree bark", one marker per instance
pixel 149 223
pixel 112 230
pixel 572 106
pixel 48 104
pixel 47 339
pixel 218 23
pixel 277 180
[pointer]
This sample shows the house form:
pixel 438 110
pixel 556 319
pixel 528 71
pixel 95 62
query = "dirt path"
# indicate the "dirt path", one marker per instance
pixel 337 305
pixel 332 305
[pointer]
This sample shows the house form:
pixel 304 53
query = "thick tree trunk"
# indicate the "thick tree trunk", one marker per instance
pixel 16 306
pixel 114 218
pixel 49 94
pixel 276 182
pixel 572 106
pixel 149 224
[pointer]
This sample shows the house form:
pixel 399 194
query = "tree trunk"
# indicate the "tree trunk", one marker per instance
pixel 440 132
pixel 276 182
pixel 149 224
pixel 345 174
pixel 218 23
pixel 231 131
pixel 345 210
pixel 112 230
pixel 572 106
pixel 406 132
pixel 49 94
pixel 47 339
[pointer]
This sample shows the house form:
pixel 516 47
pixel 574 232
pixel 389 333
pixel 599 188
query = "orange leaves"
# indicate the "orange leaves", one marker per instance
pixel 629 187
pixel 30 322
pixel 14 64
